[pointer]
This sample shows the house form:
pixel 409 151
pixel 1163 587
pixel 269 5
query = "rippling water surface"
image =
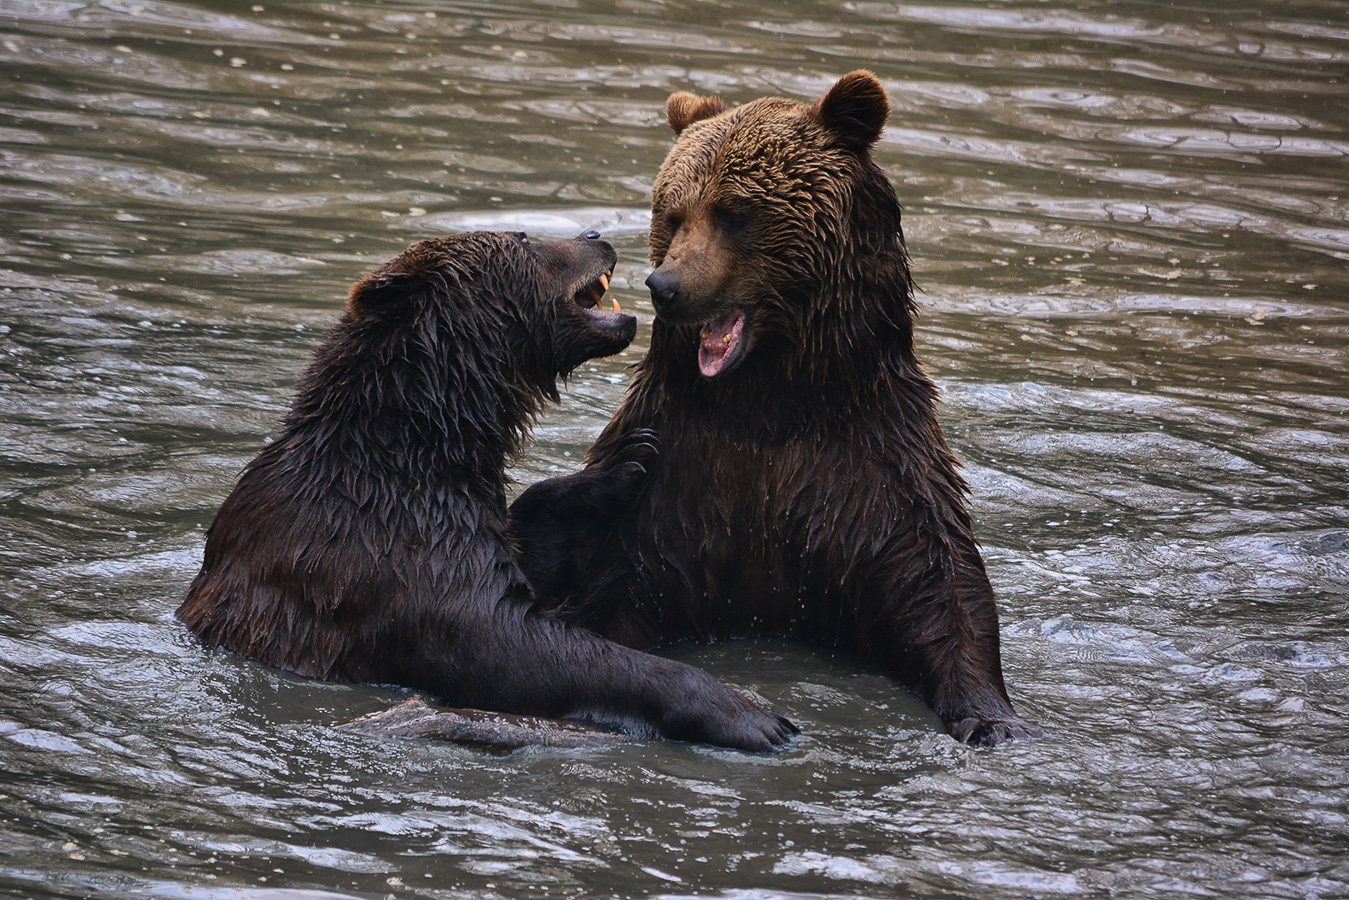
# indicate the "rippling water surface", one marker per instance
pixel 1129 224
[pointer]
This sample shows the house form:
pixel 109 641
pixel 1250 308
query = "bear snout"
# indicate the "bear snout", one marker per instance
pixel 664 290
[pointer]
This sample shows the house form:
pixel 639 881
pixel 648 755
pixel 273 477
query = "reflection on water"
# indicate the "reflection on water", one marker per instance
pixel 1129 224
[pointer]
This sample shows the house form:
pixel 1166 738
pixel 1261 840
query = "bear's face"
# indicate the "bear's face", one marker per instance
pixel 531 305
pixel 573 327
pixel 755 216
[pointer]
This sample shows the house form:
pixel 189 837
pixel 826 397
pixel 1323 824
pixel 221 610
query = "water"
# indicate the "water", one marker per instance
pixel 1129 223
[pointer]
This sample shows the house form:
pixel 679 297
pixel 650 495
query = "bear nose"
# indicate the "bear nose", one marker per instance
pixel 664 290
pixel 591 235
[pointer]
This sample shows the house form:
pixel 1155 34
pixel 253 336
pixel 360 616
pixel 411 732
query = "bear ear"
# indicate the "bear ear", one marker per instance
pixel 854 110
pixel 378 296
pixel 392 289
pixel 683 109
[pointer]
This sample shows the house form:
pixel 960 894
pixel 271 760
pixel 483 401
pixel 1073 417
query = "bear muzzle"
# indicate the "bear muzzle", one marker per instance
pixel 722 332
pixel 664 291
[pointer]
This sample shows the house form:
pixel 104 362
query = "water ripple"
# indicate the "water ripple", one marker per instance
pixel 1128 224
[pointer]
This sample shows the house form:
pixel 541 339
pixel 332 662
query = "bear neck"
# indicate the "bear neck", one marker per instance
pixel 424 408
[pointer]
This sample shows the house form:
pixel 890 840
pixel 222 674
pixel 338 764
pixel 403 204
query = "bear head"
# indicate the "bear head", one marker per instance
pixel 497 305
pixel 775 238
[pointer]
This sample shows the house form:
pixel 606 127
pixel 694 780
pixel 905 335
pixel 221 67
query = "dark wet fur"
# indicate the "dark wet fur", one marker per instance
pixel 809 492
pixel 368 542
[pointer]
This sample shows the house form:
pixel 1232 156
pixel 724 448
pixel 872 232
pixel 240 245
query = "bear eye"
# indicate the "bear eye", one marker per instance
pixel 673 220
pixel 730 220
pixel 524 238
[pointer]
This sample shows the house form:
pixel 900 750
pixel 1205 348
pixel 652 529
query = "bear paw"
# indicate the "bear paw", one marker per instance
pixel 754 730
pixel 988 731
pixel 709 712
pixel 626 467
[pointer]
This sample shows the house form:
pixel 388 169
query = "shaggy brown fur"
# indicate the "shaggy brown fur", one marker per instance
pixel 803 487
pixel 369 542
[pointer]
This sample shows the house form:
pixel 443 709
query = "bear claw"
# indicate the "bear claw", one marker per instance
pixel 993 731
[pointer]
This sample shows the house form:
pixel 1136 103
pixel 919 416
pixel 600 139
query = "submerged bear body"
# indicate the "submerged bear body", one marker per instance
pixel 369 542
pixel 804 487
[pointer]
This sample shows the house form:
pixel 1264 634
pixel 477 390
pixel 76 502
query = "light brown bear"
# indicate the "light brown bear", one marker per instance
pixel 803 487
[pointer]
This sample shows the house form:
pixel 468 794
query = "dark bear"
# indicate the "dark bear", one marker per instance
pixel 803 487
pixel 369 541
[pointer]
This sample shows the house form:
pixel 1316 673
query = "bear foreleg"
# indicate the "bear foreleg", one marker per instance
pixel 940 640
pixel 521 661
pixel 556 523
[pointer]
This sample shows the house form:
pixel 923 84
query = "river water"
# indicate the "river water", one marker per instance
pixel 1129 223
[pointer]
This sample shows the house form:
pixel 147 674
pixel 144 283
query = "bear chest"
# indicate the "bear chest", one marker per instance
pixel 756 540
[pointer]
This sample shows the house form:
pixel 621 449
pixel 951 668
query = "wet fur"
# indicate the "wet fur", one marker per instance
pixel 809 492
pixel 369 541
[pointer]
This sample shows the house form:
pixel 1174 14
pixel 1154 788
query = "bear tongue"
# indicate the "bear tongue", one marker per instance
pixel 720 342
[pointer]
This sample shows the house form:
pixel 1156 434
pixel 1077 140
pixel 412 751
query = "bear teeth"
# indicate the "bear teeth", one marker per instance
pixel 589 297
pixel 722 342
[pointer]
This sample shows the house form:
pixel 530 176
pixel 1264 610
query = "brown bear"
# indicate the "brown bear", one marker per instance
pixel 369 542
pixel 803 487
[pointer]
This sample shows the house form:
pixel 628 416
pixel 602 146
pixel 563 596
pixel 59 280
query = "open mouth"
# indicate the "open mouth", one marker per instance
pixel 589 296
pixel 589 299
pixel 721 343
